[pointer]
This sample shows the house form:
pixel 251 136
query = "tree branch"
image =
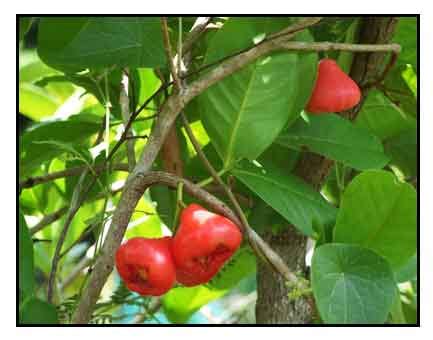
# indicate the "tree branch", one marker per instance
pixel 75 205
pixel 169 52
pixel 48 219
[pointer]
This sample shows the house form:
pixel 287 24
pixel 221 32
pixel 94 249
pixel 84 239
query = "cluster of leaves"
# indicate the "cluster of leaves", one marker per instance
pixel 252 125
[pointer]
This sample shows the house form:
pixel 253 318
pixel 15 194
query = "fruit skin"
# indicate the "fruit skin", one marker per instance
pixel 334 90
pixel 146 265
pixel 203 243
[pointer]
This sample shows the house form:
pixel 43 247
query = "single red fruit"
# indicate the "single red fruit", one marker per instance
pixel 334 90
pixel 146 265
pixel 203 243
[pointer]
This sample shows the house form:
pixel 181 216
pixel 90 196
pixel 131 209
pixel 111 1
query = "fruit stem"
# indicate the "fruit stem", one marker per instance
pixel 179 203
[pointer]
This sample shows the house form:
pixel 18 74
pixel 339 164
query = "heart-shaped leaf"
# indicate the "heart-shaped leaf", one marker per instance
pixel 351 285
pixel 380 213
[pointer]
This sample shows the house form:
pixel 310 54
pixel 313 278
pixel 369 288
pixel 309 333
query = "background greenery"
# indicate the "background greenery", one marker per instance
pixel 363 222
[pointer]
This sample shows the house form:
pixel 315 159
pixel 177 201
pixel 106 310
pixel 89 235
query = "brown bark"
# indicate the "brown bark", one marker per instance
pixel 273 305
pixel 171 158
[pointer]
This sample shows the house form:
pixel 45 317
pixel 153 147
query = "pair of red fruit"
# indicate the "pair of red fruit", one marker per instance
pixel 203 242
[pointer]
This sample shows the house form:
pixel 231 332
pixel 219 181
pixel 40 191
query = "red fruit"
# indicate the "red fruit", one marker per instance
pixel 203 243
pixel 146 265
pixel 334 90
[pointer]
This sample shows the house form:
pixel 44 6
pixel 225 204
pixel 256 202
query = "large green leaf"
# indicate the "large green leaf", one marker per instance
pixel 38 312
pixel 380 213
pixel 180 303
pixel 25 260
pixel 34 149
pixel 73 44
pixel 382 117
pixel 351 285
pixel 338 139
pixel 403 150
pixel 297 202
pixel 262 96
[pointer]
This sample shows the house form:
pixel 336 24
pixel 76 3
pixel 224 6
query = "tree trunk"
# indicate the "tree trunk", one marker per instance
pixel 273 305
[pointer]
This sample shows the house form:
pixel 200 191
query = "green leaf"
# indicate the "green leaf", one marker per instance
pixel 406 35
pixel 279 157
pixel 180 303
pixel 262 96
pixel 25 24
pixel 38 312
pixel 297 202
pixel 74 131
pixel 351 285
pixel 165 199
pixel 37 100
pixel 150 228
pixel 242 264
pixel 146 84
pixel 25 263
pixel 73 44
pixel 408 271
pixel 382 117
pixel 338 139
pixel 401 88
pixel 380 213
pixel 403 150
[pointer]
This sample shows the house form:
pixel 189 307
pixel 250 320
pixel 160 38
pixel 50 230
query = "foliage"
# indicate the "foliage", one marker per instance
pixel 252 127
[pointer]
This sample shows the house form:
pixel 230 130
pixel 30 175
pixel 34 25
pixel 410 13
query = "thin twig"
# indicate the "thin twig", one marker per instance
pixel 48 219
pixel 154 306
pixel 168 52
pixel 76 271
pixel 75 171
pixel 74 206
pixel 126 114
pixel 197 30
